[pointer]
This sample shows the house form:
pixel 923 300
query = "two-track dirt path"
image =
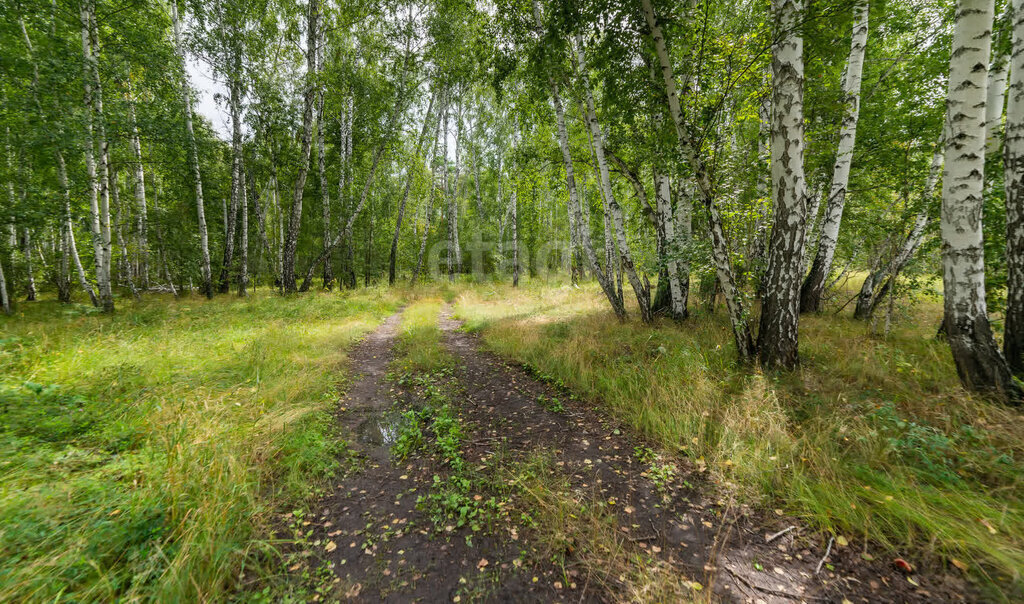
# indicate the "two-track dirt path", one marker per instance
pixel 368 526
pixel 383 548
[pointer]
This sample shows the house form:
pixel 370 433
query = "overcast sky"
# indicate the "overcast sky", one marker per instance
pixel 201 78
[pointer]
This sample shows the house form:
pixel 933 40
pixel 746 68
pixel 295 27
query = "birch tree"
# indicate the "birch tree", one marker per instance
pixel 603 275
pixel 345 158
pixel 141 218
pixel 643 294
pixel 688 147
pixel 872 290
pixel 325 194
pixel 1013 336
pixel 978 360
pixel 99 177
pixel 5 302
pixel 67 246
pixel 428 210
pixel 777 338
pixel 243 244
pixel 186 96
pixel 998 72
pixel 814 284
pixel 410 174
pixel 30 279
pixel 237 200
pixel 291 238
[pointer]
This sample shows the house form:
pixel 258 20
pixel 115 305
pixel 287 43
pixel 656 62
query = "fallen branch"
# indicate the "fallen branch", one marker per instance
pixel 771 538
pixel 828 550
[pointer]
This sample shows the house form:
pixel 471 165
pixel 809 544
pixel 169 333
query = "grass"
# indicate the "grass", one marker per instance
pixel 418 346
pixel 144 454
pixel 561 520
pixel 872 437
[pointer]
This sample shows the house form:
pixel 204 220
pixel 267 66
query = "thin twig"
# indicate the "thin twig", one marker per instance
pixel 827 551
pixel 771 538
pixel 843 307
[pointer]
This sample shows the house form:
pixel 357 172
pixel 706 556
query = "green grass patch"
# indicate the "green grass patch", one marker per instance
pixel 419 347
pixel 144 453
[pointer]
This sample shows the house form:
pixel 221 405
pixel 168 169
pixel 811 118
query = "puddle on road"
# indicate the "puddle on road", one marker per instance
pixel 381 431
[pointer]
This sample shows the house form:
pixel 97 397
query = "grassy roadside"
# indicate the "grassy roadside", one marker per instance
pixel 873 438
pixel 143 454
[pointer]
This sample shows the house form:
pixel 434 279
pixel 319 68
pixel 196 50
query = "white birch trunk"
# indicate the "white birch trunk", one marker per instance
pixel 995 96
pixel 476 181
pixel 345 234
pixel 719 243
pixel 243 244
pixel 325 196
pixel 814 285
pixel 63 279
pixel 682 214
pixel 344 184
pixel 99 177
pixel 1013 338
pixel 428 209
pixel 186 95
pixel 780 304
pixel 603 276
pixel 278 225
pixel 5 302
pixel 30 285
pixel 291 240
pixel 410 175
pixel 515 238
pixel 866 300
pixel 160 237
pixel 140 195
pixel 125 265
pixel 69 231
pixel 454 247
pixel 230 221
pixel 663 202
pixel 643 295
pixel 980 364
pixel 500 261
